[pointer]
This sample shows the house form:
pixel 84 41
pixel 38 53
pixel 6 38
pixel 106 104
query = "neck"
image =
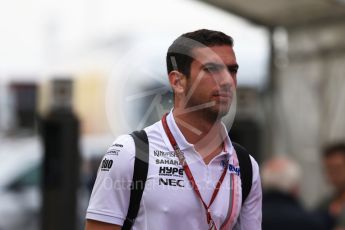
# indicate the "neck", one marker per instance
pixel 201 130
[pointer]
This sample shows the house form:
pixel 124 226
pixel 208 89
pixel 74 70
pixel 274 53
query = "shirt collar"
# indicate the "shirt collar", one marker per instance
pixel 180 139
pixel 184 144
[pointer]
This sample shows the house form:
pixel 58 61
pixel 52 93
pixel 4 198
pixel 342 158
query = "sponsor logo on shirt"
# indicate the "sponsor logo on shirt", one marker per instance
pixel 159 153
pixel 106 164
pixel 171 182
pixel 170 171
pixel 232 168
pixel 117 145
pixel 167 158
pixel 113 152
pixel 167 161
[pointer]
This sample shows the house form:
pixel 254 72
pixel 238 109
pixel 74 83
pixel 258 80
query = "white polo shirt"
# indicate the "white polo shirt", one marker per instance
pixel 168 201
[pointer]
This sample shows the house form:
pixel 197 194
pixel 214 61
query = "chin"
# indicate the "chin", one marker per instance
pixel 223 108
pixel 221 111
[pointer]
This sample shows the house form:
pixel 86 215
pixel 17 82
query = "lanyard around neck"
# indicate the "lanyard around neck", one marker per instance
pixel 189 174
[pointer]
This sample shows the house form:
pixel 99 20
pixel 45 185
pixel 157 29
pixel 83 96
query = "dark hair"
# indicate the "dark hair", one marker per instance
pixel 179 56
pixel 332 149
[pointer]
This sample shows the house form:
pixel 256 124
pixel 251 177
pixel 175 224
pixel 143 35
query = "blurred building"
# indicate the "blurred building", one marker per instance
pixel 18 102
pixel 89 91
pixel 22 103
pixel 305 97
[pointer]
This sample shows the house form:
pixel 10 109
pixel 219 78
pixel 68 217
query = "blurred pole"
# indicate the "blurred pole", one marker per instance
pixel 60 134
pixel 269 96
pixel 271 93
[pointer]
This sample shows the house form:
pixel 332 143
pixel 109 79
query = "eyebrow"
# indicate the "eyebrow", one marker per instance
pixel 231 66
pixel 234 66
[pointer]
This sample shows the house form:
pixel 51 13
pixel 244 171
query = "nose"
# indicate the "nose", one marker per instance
pixel 227 79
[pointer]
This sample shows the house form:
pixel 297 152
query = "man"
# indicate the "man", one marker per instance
pixel 193 180
pixel 282 209
pixel 333 207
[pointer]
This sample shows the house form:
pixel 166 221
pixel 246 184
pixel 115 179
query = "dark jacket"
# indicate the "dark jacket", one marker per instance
pixel 282 211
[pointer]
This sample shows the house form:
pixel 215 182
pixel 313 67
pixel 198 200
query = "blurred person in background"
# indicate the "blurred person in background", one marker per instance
pixel 332 208
pixel 281 206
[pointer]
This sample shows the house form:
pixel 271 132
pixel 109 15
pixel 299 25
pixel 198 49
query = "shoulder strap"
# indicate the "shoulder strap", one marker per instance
pixel 245 169
pixel 139 176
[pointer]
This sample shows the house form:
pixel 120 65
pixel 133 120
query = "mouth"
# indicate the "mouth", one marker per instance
pixel 222 96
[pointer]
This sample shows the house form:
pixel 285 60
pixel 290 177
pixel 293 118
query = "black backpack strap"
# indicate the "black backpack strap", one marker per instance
pixel 139 176
pixel 246 170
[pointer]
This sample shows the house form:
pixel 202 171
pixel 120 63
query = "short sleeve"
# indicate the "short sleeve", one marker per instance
pixel 251 212
pixel 110 196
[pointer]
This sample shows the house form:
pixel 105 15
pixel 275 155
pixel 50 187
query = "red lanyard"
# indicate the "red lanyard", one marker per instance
pixel 189 174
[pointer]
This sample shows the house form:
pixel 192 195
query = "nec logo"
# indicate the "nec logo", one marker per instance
pixel 232 168
pixel 171 182
pixel 106 164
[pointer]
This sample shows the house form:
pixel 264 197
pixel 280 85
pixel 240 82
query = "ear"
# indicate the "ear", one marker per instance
pixel 177 81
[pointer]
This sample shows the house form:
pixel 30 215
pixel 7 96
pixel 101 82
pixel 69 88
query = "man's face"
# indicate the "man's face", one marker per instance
pixel 335 170
pixel 212 79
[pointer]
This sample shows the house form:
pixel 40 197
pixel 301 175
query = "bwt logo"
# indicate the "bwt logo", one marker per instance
pixel 232 168
pixel 106 164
